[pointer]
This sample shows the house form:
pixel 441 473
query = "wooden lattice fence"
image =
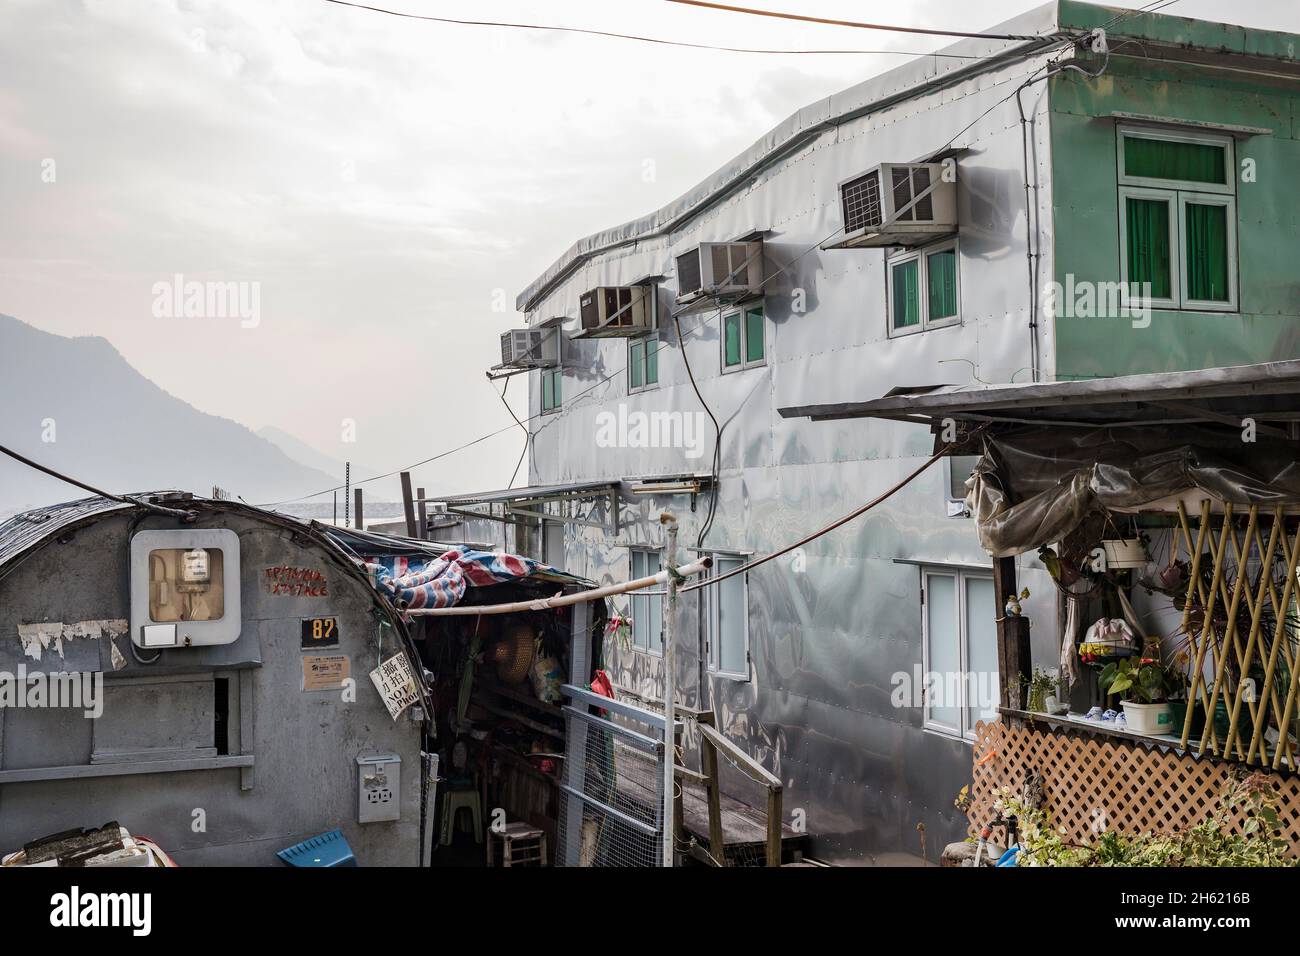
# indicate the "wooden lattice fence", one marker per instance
pixel 1093 784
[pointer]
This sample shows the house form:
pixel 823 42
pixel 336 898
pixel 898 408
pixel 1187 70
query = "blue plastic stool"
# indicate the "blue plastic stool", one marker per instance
pixel 328 849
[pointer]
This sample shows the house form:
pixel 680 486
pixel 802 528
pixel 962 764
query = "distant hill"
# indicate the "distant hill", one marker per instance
pixel 312 457
pixel 115 429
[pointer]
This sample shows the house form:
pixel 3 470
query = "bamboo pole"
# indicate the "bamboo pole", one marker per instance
pixel 561 600
pixel 1247 657
pixel 1258 735
pixel 1194 587
pixel 1231 695
pixel 1284 542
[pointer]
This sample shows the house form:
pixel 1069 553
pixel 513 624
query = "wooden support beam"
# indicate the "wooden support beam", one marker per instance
pixel 774 827
pixel 423 514
pixel 358 519
pixel 1014 664
pixel 408 504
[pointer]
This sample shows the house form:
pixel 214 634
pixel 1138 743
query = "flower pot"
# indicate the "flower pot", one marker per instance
pixel 1148 719
pixel 1125 553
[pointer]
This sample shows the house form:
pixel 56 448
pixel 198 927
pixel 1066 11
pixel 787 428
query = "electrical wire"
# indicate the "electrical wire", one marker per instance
pixel 888 28
pixel 839 522
pixel 637 38
pixel 124 499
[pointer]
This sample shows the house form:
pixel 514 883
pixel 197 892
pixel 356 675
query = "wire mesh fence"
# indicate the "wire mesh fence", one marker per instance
pixel 611 801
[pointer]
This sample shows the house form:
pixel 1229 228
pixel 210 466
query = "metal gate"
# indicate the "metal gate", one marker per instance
pixel 611 794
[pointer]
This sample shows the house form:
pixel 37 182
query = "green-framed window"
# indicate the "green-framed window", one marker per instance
pixel 552 394
pixel 1178 218
pixel 924 291
pixel 744 338
pixel 642 363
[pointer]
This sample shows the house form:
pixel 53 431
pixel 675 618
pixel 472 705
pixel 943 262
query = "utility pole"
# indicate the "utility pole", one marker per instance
pixel 670 686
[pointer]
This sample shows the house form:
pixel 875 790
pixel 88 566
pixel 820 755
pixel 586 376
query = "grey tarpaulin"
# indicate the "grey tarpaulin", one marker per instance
pixel 1034 485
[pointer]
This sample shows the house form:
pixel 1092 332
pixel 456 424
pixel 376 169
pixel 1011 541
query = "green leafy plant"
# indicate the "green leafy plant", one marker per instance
pixel 1142 680
pixel 1215 841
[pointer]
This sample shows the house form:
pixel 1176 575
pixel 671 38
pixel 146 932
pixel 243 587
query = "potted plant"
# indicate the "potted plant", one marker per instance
pixel 1042 690
pixel 1143 686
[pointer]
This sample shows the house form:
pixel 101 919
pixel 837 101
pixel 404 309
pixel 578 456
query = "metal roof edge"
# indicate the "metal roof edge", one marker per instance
pixel 1282 377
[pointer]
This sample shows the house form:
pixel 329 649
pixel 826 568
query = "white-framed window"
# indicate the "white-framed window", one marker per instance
pixel 959 656
pixel 1178 218
pixel 744 338
pixel 647 609
pixel 923 288
pixel 727 618
pixel 552 394
pixel 642 363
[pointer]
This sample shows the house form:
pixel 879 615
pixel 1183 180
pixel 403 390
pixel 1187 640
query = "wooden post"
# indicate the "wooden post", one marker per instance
pixel 422 513
pixel 774 826
pixel 712 791
pixel 360 522
pixel 408 504
pixel 1014 666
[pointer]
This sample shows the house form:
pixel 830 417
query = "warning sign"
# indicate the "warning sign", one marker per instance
pixel 395 683
pixel 325 671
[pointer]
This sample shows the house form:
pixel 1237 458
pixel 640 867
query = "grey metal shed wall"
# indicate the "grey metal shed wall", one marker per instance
pixel 304 743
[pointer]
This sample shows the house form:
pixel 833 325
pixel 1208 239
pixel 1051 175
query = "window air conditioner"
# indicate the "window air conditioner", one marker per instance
pixel 718 272
pixel 530 348
pixel 898 204
pixel 610 311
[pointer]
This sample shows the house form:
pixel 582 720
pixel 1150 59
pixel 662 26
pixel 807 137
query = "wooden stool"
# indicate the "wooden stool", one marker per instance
pixel 521 845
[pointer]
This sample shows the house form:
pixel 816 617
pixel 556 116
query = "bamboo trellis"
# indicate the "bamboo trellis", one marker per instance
pixel 1235 619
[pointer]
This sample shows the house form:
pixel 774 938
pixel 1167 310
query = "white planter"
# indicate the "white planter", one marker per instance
pixel 1148 719
pixel 1125 553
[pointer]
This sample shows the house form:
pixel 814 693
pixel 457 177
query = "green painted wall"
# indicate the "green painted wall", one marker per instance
pixel 1086 208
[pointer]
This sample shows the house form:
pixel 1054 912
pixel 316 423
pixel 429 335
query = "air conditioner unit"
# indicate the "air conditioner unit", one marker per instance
pixel 530 348
pixel 898 204
pixel 715 272
pixel 616 311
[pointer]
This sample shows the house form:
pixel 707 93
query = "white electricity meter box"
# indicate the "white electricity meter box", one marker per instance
pixel 185 588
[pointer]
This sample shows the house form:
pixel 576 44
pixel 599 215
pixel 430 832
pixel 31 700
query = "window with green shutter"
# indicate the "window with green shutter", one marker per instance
pixel 1178 218
pixel 1205 239
pixel 636 363
pixel 642 363
pixel 753 335
pixel 744 339
pixel 1148 248
pixel 906 292
pixel 924 291
pixel 551 397
pixel 1167 159
pixel 731 334
pixel 941 284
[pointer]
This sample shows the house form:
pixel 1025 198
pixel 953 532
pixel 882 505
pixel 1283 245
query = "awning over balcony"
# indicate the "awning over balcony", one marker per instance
pixel 1054 454
pixel 1266 392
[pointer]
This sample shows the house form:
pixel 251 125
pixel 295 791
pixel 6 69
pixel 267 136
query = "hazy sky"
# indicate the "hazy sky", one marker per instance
pixel 385 181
